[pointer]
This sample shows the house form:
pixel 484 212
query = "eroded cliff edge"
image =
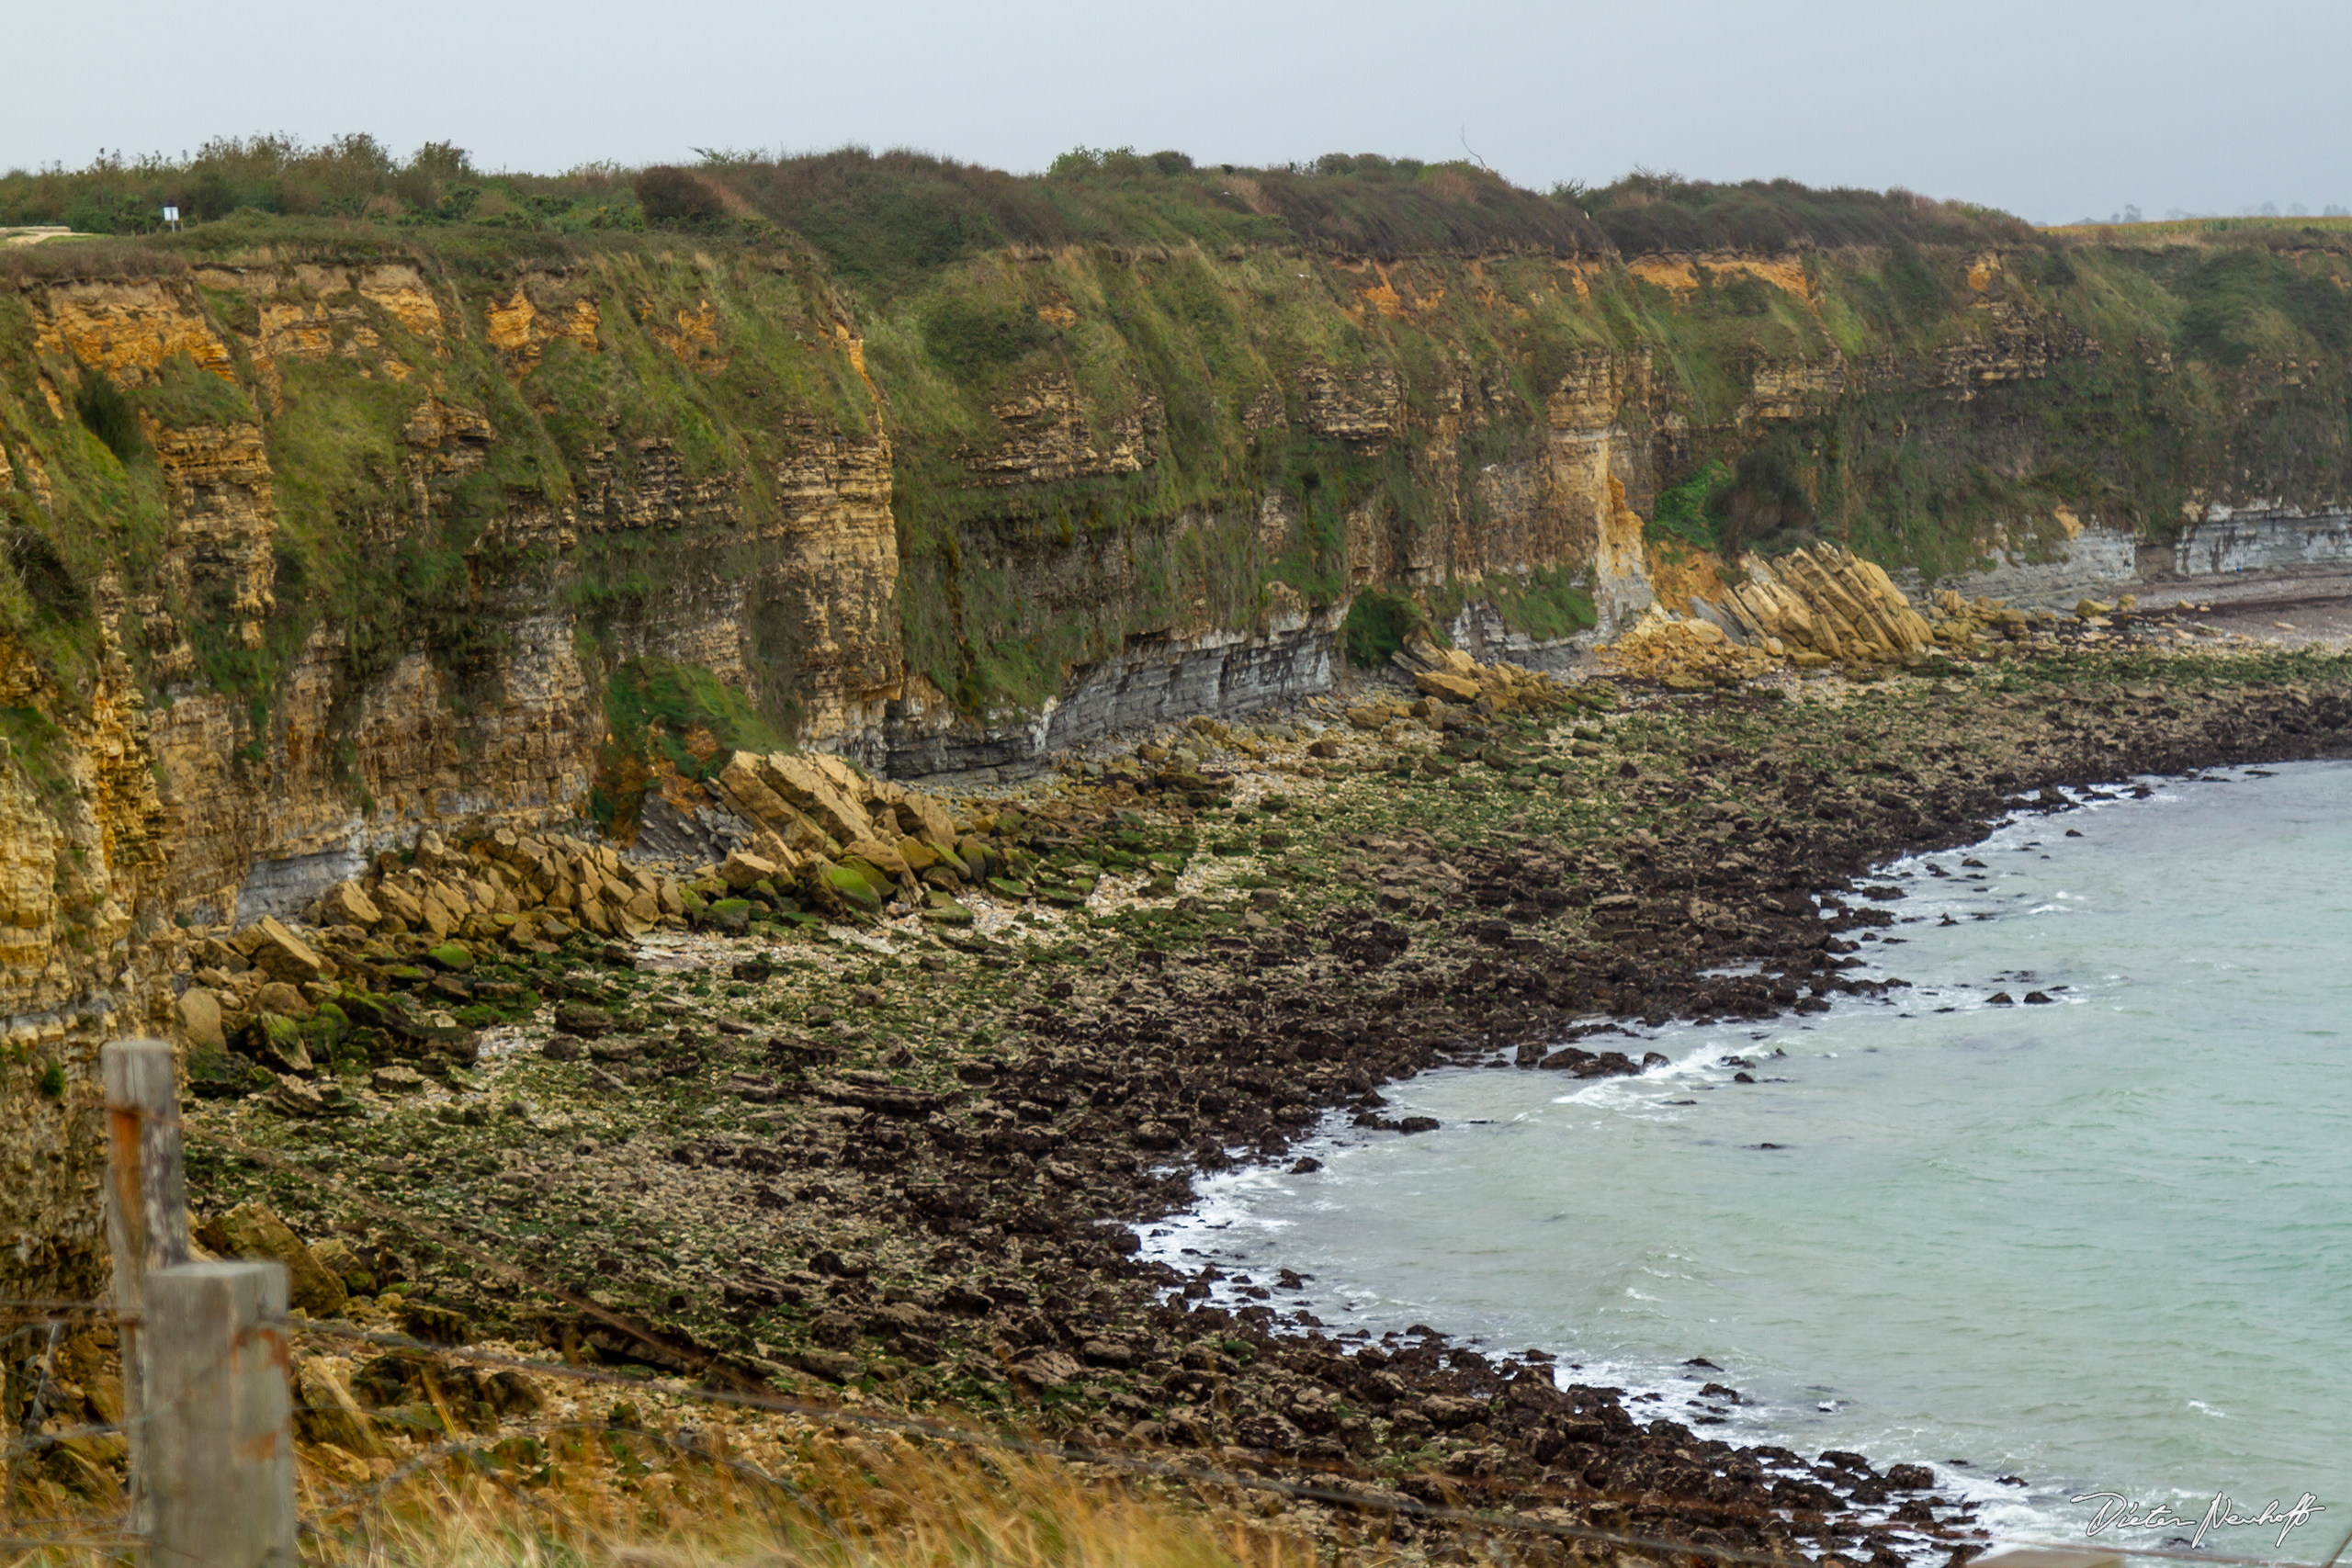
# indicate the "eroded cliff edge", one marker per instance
pixel 319 541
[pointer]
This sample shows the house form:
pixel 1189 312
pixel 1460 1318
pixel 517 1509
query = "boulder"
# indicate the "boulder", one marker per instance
pixel 943 910
pixel 1050 1369
pixel 292 1097
pixel 200 1016
pixel 1444 683
pixel 926 817
pixel 327 1414
pixel 883 857
pixel 853 886
pixel 252 1231
pixel 823 788
pixel 433 853
pixel 833 1366
pixel 587 1022
pixel 399 904
pixel 336 1257
pixel 742 871
pixel 283 1000
pixel 437 919
pixel 974 856
pixel 1446 1412
pixel 347 904
pixel 435 1325
pixel 280 955
pixel 276 1039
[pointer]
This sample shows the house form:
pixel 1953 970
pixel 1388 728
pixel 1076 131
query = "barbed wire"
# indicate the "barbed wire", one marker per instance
pixel 366 1492
pixel 1789 1517
pixel 1779 1518
pixel 744 1397
pixel 31 1440
pixel 1503 1522
pixel 126 1537
pixel 65 1320
pixel 1157 1471
pixel 1143 1463
pixel 1162 1469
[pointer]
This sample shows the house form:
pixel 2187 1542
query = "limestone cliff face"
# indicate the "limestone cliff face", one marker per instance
pixel 291 739
pixel 393 527
pixel 309 552
pixel 83 859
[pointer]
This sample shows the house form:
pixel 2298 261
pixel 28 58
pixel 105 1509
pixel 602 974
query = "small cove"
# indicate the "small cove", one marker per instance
pixel 2097 1244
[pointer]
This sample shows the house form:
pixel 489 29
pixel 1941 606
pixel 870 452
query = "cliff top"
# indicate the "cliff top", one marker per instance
pixel 883 221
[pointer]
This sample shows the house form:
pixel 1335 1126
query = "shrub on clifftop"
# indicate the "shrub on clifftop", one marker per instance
pixel 673 195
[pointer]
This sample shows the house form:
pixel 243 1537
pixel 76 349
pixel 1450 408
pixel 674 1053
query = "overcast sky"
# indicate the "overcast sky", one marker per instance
pixel 2055 109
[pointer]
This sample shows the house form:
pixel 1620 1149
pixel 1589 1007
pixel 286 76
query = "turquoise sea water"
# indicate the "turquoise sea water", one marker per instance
pixel 2104 1244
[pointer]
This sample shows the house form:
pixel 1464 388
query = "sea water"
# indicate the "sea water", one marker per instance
pixel 2102 1245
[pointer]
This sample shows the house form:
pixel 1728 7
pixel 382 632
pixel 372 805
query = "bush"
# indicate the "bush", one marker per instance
pixel 1377 626
pixel 2233 297
pixel 970 337
pixel 1682 509
pixel 47 582
pixel 108 416
pixel 1764 500
pixel 673 195
pixel 1554 603
pixel 1646 212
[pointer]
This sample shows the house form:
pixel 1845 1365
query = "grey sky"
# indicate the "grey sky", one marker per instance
pixel 2056 109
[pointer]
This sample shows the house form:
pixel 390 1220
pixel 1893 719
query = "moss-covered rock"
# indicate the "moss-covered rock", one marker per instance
pixel 219 1075
pixel 276 1041
pixel 939 909
pixel 853 887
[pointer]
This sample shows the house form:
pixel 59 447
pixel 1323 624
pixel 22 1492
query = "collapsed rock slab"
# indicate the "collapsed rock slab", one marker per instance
pixel 280 954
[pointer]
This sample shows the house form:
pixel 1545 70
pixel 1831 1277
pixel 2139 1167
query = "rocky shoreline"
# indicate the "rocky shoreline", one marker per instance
pixel 898 1161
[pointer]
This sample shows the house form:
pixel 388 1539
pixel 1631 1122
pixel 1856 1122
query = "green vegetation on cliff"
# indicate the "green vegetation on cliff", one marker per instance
pixel 1129 397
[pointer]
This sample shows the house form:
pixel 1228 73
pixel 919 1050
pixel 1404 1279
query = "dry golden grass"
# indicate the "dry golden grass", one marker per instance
pixel 755 1492
pixel 632 1500
pixel 2169 231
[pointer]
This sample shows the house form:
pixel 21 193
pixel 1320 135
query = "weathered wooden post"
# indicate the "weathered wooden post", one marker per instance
pixel 146 1213
pixel 220 1443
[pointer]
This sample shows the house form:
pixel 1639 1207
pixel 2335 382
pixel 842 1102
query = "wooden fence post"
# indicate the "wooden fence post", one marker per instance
pixel 146 1214
pixel 220 1442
